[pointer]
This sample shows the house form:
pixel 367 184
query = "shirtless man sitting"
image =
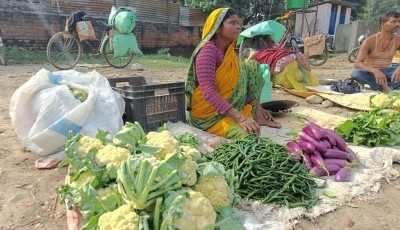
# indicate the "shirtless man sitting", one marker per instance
pixel 373 63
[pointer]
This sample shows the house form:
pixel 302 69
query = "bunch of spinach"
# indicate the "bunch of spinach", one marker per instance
pixel 373 128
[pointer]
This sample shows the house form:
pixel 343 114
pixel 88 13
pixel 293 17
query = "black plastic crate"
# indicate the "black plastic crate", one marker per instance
pixel 153 104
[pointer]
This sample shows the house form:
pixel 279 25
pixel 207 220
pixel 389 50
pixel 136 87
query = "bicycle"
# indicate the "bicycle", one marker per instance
pixel 65 49
pixel 294 42
pixel 288 41
pixel 2 51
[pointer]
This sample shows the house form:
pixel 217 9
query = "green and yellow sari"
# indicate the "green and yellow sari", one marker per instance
pixel 234 82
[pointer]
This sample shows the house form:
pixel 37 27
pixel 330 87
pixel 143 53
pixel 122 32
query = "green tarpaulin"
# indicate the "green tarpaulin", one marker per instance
pixel 274 29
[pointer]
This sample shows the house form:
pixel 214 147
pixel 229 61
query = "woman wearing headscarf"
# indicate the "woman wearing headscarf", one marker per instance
pixel 223 96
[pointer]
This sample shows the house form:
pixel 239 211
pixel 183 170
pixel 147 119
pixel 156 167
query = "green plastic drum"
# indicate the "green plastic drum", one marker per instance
pixel 297 4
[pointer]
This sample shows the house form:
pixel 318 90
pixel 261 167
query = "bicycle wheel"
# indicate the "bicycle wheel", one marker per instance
pixel 64 50
pixel 119 62
pixel 318 60
pixel 353 55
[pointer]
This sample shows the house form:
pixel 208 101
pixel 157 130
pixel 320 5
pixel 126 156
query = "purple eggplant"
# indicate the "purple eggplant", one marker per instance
pixel 343 174
pixel 295 154
pixel 331 140
pixel 314 130
pixel 317 172
pixel 353 158
pixel 317 160
pixel 340 143
pixel 340 162
pixel 295 149
pixel 326 143
pixel 307 161
pixel 332 168
pixel 335 154
pixel 306 146
pixel 318 146
pixel 335 147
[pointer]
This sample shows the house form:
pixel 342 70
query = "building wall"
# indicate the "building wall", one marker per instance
pixel 323 19
pixel 346 37
pixel 30 24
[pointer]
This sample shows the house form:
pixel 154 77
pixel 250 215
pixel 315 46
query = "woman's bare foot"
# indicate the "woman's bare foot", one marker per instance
pixel 264 118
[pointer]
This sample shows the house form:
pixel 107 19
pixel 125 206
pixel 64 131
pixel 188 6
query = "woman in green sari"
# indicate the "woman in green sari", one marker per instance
pixel 223 96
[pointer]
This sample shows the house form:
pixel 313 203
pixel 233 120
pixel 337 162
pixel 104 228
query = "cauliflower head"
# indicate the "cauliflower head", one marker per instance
pixel 83 179
pixel 198 213
pixel 86 143
pixel 396 104
pixel 190 168
pixel 104 193
pixel 380 100
pixel 164 140
pixel 216 189
pixel 117 141
pixel 111 155
pixel 123 218
pixel 190 153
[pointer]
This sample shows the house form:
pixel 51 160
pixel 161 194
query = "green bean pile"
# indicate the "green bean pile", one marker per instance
pixel 266 172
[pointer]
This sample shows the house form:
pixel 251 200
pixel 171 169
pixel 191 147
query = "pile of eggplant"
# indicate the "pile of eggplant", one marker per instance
pixel 324 152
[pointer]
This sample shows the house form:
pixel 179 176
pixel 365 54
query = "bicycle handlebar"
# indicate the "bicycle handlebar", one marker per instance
pixel 86 17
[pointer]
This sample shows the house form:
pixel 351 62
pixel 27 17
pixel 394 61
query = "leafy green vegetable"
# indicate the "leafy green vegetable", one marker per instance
pixel 162 128
pixel 188 139
pixel 228 220
pixel 142 180
pixel 329 194
pixel 373 128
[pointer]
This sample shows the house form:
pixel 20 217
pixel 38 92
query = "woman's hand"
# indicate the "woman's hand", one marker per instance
pixel 249 125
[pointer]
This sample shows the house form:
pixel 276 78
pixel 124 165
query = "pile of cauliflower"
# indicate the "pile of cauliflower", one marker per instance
pixel 386 101
pixel 193 204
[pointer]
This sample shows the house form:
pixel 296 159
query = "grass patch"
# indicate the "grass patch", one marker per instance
pixel 161 60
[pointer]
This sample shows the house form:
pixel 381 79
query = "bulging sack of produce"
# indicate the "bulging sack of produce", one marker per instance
pixel 51 104
pixel 85 31
pixel 123 20
pixel 125 44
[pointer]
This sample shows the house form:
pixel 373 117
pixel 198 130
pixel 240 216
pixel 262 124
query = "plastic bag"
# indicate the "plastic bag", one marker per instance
pixel 266 93
pixel 43 110
pixel 85 31
pixel 124 44
pixel 348 86
pixel 295 77
pixel 123 20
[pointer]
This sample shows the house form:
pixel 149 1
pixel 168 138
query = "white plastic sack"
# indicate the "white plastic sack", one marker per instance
pixel 43 110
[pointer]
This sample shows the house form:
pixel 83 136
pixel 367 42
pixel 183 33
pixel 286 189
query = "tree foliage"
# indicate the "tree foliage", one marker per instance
pixel 258 10
pixel 250 10
pixel 373 9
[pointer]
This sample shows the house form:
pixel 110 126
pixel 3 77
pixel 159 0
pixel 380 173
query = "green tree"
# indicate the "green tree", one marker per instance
pixel 374 9
pixel 251 10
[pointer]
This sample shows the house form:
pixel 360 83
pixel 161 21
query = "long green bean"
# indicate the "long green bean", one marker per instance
pixel 266 172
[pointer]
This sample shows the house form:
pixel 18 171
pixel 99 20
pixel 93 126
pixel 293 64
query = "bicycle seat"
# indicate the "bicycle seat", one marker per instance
pixel 105 25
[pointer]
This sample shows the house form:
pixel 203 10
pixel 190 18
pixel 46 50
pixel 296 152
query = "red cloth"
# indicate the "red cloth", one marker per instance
pixel 270 57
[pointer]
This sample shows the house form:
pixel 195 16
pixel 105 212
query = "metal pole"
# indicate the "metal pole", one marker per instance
pixel 316 17
pixel 58 7
pixel 302 18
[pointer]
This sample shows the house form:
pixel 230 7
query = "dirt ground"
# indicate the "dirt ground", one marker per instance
pixel 27 195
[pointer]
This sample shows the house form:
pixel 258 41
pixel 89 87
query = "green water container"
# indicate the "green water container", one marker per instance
pixel 297 4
